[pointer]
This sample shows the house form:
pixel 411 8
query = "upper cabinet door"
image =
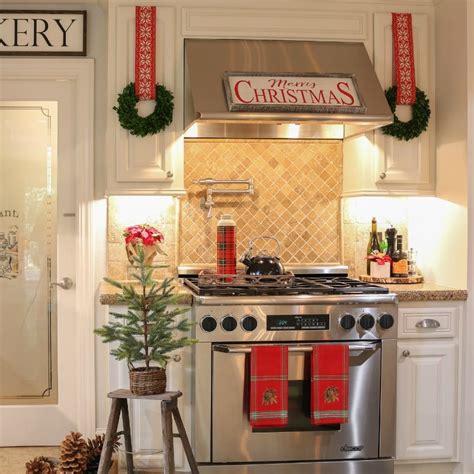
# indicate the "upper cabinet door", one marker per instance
pixel 151 164
pixel 408 165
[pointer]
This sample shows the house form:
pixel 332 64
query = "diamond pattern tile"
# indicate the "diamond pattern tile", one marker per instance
pixel 297 197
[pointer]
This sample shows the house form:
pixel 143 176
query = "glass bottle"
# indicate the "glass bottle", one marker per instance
pixel 412 271
pixel 373 247
pixel 383 243
pixel 391 234
pixel 400 260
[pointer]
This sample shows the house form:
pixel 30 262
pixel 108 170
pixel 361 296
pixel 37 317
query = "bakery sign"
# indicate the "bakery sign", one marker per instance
pixel 43 32
pixel 282 92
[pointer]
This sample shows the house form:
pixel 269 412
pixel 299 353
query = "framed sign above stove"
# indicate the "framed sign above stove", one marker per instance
pixel 295 92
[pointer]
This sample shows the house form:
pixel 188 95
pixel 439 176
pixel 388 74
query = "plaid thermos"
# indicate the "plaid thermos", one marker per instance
pixel 226 245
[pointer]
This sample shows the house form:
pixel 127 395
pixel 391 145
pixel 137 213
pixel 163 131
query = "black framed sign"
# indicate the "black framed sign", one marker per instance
pixel 293 92
pixel 43 33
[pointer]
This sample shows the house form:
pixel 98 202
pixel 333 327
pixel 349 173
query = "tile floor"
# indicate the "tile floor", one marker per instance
pixel 12 460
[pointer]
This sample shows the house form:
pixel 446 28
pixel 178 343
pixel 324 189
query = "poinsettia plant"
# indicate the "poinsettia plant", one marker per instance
pixel 143 234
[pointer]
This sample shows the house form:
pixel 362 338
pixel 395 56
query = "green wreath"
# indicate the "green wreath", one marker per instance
pixel 414 127
pixel 158 120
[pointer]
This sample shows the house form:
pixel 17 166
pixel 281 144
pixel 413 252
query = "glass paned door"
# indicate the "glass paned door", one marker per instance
pixel 28 253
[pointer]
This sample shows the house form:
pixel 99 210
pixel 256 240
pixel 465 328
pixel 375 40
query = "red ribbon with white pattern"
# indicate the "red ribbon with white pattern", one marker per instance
pixel 404 60
pixel 145 45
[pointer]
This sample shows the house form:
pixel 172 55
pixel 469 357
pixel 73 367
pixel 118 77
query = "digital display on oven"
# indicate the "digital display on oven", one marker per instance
pixel 298 322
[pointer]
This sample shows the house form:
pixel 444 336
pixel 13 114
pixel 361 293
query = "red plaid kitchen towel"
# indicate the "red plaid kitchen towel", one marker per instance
pixel 329 384
pixel 269 386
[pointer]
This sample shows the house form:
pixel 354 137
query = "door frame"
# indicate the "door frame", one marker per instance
pixel 81 71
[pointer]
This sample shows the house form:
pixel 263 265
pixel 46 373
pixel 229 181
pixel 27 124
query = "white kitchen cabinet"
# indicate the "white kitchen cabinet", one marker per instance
pixel 151 164
pixel 426 400
pixel 377 164
pixel 429 381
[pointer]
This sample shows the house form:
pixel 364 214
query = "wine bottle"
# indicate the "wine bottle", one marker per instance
pixel 400 260
pixel 383 243
pixel 373 247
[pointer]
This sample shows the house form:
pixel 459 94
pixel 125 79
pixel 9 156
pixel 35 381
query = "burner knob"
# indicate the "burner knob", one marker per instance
pixel 347 322
pixel 248 323
pixel 228 323
pixel 367 321
pixel 208 323
pixel 386 321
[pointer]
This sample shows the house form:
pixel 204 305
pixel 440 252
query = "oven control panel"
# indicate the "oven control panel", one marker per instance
pixel 271 323
pixel 292 322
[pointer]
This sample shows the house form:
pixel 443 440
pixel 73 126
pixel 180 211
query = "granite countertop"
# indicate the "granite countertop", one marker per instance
pixel 427 292
pixel 416 292
pixel 109 294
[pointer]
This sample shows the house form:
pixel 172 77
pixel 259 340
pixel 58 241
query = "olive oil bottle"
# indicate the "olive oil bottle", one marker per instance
pixel 373 247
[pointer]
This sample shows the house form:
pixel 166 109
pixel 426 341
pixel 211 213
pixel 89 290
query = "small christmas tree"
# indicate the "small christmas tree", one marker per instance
pixel 147 332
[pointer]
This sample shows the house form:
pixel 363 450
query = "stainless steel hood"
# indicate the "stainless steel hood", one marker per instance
pixel 207 112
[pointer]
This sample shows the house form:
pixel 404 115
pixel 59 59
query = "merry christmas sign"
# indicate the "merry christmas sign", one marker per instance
pixel 320 93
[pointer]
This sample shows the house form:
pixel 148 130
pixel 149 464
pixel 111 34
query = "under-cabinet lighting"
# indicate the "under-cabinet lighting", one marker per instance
pixel 130 210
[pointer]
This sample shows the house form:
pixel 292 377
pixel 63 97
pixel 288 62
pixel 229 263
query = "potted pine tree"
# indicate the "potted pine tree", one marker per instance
pixel 148 331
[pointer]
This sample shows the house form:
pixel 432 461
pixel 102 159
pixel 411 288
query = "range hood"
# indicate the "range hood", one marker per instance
pixel 210 63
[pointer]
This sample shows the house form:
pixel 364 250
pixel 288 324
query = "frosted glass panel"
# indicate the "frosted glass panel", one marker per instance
pixel 28 146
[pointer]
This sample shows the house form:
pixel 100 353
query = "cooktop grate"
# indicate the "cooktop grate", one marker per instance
pixel 213 285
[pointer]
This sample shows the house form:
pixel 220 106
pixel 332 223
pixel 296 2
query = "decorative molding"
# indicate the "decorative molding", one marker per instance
pixel 387 192
pixel 229 22
pixel 81 71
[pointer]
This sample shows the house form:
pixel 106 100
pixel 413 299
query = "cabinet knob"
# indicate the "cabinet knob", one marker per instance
pixel 383 175
pixel 406 353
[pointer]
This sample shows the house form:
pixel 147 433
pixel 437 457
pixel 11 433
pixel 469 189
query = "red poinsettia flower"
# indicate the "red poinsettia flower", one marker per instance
pixel 380 258
pixel 143 234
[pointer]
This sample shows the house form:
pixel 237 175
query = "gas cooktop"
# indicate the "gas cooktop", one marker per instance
pixel 243 285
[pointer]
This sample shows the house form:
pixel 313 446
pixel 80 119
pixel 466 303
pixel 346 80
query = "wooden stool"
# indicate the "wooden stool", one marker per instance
pixel 169 407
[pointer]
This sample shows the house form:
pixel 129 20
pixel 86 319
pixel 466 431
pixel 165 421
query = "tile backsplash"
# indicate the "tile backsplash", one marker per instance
pixel 297 197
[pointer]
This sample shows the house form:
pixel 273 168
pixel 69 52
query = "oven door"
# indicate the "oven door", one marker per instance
pixel 234 440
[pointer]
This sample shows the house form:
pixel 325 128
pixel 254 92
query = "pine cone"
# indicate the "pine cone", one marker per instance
pixel 40 465
pixel 95 446
pixel 73 453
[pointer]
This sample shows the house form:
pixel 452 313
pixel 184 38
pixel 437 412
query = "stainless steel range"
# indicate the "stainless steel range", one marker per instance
pixel 300 311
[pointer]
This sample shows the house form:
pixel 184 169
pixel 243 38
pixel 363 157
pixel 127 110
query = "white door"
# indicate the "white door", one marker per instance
pixel 426 400
pixel 38 375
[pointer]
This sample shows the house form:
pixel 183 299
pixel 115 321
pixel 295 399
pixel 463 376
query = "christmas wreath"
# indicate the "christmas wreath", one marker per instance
pixel 158 120
pixel 417 125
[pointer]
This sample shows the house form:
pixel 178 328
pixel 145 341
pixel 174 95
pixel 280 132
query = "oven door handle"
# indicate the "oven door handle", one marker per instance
pixel 247 350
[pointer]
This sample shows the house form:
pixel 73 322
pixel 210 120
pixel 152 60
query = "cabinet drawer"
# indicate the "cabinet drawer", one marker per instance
pixel 428 322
